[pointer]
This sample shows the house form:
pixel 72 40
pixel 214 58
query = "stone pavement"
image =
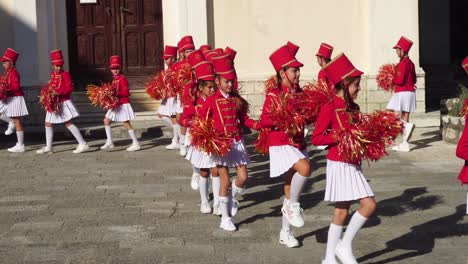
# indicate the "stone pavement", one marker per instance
pixel 118 207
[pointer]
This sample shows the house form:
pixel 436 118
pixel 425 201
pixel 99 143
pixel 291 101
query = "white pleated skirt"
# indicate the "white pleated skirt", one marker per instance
pixel 14 106
pixel 403 101
pixel 66 113
pixel 121 113
pixel 282 158
pixel 345 182
pixel 237 156
pixel 167 107
pixel 199 159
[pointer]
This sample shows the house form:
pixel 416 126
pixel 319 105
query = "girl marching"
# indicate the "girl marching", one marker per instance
pixel 12 106
pixel 204 87
pixel 123 112
pixel 60 84
pixel 404 98
pixel 323 57
pixel 345 182
pixel 228 111
pixel 462 147
pixel 287 151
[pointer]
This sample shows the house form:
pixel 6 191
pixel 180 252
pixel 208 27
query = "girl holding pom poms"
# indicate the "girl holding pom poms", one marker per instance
pixel 287 149
pixel 462 147
pixel 404 98
pixel 12 104
pixel 123 111
pixel 229 112
pixel 205 87
pixel 56 99
pixel 345 181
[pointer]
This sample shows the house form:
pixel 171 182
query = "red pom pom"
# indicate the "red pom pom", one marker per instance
pixel 314 96
pixel 156 86
pixel 464 110
pixel 3 88
pixel 49 99
pixel 271 83
pixel 205 138
pixel 104 96
pixel 385 76
pixel 261 144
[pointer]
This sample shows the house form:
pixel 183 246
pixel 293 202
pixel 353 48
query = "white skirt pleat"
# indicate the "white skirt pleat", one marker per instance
pixel 237 156
pixel 167 106
pixel 121 113
pixel 345 182
pixel 66 113
pixel 13 107
pixel 282 158
pixel 403 101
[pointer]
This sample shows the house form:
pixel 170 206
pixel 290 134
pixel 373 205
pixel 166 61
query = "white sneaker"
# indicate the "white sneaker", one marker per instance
pixel 345 254
pixel 216 210
pixel 234 206
pixel 107 146
pixel 183 150
pixel 134 147
pixel 294 214
pixel 10 129
pixel 194 181
pixel 332 261
pixel 44 150
pixel 306 131
pixel 205 208
pixel 402 147
pixel 81 148
pixel 287 238
pixel 227 224
pixel 173 145
pixel 322 147
pixel 17 148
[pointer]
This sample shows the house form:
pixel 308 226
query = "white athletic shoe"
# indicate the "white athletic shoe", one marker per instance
pixel 322 147
pixel 173 145
pixel 227 224
pixel 234 206
pixel 216 210
pixel 17 148
pixel 287 238
pixel 134 147
pixel 294 214
pixel 402 147
pixel 107 146
pixel 345 254
pixel 194 181
pixel 205 208
pixel 183 150
pixel 81 148
pixel 328 261
pixel 44 150
pixel 10 129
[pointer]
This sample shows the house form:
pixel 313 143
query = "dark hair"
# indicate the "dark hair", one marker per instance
pixel 278 77
pixel 350 105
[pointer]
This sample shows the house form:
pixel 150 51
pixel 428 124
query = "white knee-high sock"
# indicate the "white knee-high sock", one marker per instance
pixel 20 137
pixel 132 135
pixel 6 119
pixel 203 187
pixel 355 224
pixel 405 128
pixel 215 185
pixel 223 206
pixel 179 134
pixel 77 134
pixel 108 134
pixel 285 226
pixel 297 183
pixel 235 190
pixel 175 133
pixel 49 131
pixel 334 235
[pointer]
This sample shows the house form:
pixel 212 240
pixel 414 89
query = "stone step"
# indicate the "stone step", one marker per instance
pixel 430 119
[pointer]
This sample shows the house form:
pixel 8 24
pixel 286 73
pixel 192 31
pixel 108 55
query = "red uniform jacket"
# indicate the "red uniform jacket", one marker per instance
pixel 63 84
pixel 322 76
pixel 277 137
pixel 227 119
pixel 12 79
pixel 406 76
pixel 332 115
pixel 190 111
pixel 462 153
pixel 120 83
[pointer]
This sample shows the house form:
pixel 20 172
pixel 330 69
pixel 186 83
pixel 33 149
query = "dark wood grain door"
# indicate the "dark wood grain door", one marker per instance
pixel 130 28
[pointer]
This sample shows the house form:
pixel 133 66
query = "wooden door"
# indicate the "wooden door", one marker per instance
pixel 130 28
